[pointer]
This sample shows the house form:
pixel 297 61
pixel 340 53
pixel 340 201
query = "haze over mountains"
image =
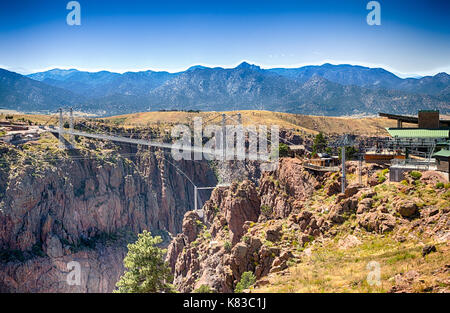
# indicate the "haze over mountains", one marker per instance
pixel 326 89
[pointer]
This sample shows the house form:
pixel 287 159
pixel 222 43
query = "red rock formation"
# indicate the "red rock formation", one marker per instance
pixel 77 200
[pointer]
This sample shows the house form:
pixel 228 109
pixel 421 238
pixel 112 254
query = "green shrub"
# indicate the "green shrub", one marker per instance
pixel 203 289
pixel 266 210
pixel 447 185
pixel 283 150
pixel 227 246
pixel 439 185
pixel 415 174
pixel 247 279
pixel 404 182
pixel 382 175
pixel 320 143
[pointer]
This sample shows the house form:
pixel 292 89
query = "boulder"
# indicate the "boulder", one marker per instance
pixel 273 233
pixel 377 221
pixel 352 190
pixel 364 205
pixel 406 208
pixel 428 249
pixel 333 188
pixel 348 242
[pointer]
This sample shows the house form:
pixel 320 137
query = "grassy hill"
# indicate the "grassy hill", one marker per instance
pixel 305 123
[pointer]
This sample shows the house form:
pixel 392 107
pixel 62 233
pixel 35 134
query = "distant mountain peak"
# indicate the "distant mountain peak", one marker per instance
pixel 245 65
pixel 195 67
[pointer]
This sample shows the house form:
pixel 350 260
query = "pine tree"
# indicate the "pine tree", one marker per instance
pixel 320 143
pixel 146 269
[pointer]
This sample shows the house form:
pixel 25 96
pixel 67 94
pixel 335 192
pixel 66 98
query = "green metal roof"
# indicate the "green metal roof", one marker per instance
pixel 443 153
pixel 418 133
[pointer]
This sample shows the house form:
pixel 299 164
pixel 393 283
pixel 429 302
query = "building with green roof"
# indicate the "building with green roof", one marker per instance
pixel 421 133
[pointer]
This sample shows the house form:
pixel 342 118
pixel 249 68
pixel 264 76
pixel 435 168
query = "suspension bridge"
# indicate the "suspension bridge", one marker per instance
pixel 220 151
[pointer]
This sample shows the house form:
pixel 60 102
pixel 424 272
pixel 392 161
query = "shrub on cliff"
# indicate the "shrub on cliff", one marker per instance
pixel 203 289
pixel 247 279
pixel 283 150
pixel 146 270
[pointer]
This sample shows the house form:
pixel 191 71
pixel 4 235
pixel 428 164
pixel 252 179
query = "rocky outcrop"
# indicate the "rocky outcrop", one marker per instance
pixel 285 189
pixel 199 254
pixel 217 250
pixel 227 244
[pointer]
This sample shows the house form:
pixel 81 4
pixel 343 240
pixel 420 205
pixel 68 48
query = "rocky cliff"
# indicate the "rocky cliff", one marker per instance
pixel 84 207
pixel 216 250
pixel 270 228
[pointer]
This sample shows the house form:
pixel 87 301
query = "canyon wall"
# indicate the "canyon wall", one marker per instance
pixel 87 210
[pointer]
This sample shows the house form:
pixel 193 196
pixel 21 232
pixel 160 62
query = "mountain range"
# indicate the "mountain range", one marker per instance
pixel 326 89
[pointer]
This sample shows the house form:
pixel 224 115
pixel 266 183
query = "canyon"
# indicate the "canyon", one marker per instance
pixel 86 204
pixel 86 209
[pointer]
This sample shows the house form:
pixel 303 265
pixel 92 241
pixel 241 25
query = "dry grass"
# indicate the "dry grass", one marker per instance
pixel 307 124
pixel 329 269
pixel 301 123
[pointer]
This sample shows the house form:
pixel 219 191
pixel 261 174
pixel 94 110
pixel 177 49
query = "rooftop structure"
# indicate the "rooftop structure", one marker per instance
pixel 417 144
pixel 418 133
pixel 425 119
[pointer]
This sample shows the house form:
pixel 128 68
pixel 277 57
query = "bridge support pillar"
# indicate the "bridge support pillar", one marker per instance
pixel 224 137
pixel 195 198
pixel 60 132
pixel 71 137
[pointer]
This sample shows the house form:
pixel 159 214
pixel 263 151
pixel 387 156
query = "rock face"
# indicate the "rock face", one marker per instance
pixel 241 204
pixel 218 250
pixel 57 210
pixel 286 188
pixel 265 230
pixel 100 269
pixel 194 264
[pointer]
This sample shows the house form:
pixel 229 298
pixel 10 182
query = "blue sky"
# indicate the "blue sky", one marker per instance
pixel 413 38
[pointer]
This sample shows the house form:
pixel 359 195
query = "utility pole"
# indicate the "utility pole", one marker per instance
pixel 345 142
pixel 360 168
pixel 343 169
pixel 60 132
pixel 195 198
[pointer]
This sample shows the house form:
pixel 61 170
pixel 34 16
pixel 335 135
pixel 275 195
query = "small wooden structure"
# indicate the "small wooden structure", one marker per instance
pixel 323 163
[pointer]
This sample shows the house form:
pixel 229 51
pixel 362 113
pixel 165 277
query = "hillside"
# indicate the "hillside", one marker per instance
pixel 294 232
pixel 307 123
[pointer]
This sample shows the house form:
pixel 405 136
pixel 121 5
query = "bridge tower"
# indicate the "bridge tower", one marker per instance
pixel 60 130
